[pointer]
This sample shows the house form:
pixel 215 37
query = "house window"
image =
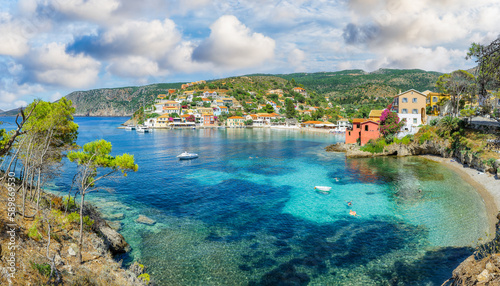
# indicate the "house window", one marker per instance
pixel 404 100
pixel 414 111
pixel 414 121
pixel 434 99
pixel 414 100
pixel 366 127
pixel 404 111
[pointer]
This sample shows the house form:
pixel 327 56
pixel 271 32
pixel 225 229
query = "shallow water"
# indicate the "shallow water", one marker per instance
pixel 246 212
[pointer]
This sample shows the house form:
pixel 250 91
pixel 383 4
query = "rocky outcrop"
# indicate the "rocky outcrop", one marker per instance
pixel 430 147
pixel 481 268
pixel 112 239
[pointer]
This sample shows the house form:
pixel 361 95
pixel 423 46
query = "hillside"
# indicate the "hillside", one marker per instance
pixel 343 82
pixel 116 101
pixel 354 87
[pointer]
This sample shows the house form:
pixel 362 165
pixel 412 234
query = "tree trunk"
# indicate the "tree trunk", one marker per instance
pixel 80 240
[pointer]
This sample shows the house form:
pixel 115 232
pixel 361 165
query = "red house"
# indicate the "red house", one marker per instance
pixel 364 130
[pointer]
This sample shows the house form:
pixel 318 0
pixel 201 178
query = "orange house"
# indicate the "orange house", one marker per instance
pixel 364 130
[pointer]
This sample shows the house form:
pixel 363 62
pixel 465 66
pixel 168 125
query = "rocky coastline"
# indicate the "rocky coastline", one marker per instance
pixel 414 148
pixel 101 246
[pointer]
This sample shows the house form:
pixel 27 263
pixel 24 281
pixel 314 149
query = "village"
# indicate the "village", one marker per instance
pixel 214 108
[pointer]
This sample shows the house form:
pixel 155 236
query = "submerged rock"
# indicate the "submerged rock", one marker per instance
pixel 145 220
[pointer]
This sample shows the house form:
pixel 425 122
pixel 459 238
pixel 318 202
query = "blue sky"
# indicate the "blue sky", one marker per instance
pixel 49 48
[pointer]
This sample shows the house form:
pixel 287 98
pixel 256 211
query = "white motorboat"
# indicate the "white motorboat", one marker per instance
pixel 142 129
pixel 323 188
pixel 130 127
pixel 187 156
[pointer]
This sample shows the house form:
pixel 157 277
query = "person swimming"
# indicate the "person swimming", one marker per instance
pixel 353 213
pixel 349 203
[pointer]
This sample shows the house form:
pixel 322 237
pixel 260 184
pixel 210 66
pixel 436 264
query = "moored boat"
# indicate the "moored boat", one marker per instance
pixel 323 188
pixel 187 156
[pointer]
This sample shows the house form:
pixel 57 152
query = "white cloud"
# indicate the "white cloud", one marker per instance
pixel 296 58
pixel 56 96
pixel 51 64
pixel 133 66
pixel 93 10
pixel 13 37
pixel 232 45
pixel 153 39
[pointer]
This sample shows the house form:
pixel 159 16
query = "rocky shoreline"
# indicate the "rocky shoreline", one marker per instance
pixel 414 149
pixel 101 245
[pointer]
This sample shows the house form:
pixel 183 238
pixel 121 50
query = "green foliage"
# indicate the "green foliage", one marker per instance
pixel 449 125
pixel 407 139
pixel 144 277
pixel 96 155
pixel 43 269
pixel 71 204
pixel 33 230
pixel 73 217
pixel 374 146
pixel 434 122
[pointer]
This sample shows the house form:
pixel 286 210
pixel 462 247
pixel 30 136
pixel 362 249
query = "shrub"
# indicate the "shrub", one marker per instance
pixel 33 230
pixel 434 122
pixel 71 204
pixel 43 269
pixel 144 277
pixel 407 139
pixel 374 146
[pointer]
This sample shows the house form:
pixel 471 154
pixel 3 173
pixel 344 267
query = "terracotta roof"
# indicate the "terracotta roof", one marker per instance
pixel 359 120
pixel 236 117
pixel 313 122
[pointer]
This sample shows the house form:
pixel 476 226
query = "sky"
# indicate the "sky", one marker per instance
pixel 49 48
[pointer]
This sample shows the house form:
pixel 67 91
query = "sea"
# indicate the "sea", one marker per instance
pixel 246 211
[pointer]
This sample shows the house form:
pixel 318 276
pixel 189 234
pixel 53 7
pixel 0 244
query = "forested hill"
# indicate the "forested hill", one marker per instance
pixel 337 83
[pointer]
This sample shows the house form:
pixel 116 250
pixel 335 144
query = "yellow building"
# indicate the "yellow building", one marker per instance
pixel 162 121
pixel 375 115
pixel 236 121
pixel 435 100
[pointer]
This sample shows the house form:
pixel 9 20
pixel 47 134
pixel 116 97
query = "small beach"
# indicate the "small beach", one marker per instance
pixel 487 185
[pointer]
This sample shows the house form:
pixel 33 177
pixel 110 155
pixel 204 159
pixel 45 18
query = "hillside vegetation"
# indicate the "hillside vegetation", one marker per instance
pixel 350 88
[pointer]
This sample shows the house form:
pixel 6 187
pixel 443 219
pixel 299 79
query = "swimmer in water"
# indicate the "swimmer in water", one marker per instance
pixel 353 213
pixel 349 203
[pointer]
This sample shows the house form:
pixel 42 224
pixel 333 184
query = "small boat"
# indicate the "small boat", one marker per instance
pixel 323 188
pixel 142 129
pixel 187 156
pixel 130 127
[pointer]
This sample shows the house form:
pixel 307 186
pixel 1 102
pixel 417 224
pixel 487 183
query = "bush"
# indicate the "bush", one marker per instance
pixel 407 139
pixel 71 204
pixel 33 230
pixel 374 146
pixel 43 269
pixel 434 122
pixel 144 277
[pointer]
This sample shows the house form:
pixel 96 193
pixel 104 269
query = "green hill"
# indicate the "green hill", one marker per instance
pixel 343 82
pixel 349 87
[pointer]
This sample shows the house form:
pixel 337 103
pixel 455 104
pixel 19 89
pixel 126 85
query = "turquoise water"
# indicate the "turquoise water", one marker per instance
pixel 246 212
